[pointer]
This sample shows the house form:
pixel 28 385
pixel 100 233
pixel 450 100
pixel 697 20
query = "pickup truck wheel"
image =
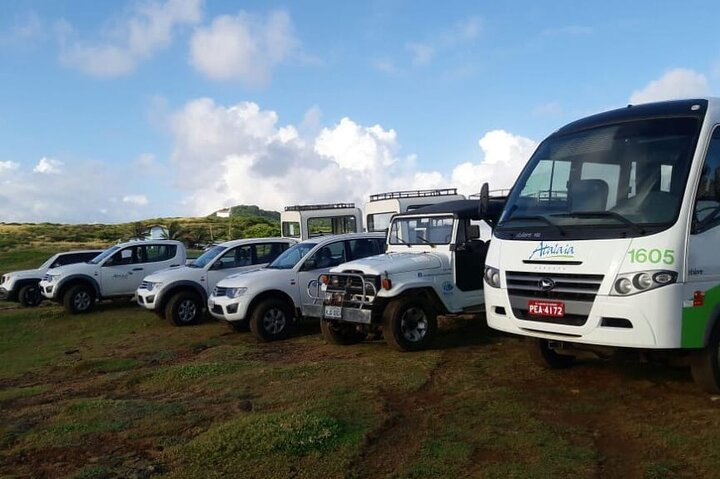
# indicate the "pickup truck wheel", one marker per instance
pixel 544 356
pixel 29 295
pixel 271 320
pixel 337 332
pixel 184 309
pixel 79 299
pixel 705 365
pixel 409 324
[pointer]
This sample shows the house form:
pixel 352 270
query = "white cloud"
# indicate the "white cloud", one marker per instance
pixel 240 154
pixel 243 47
pixel 677 83
pixel 137 200
pixel 385 65
pixel 8 166
pixel 465 31
pixel 131 40
pixel 48 166
pixel 504 156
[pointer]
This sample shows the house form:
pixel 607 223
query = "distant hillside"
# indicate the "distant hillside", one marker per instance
pixel 194 231
pixel 250 210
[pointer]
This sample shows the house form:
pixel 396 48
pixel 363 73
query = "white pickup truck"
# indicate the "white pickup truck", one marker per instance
pixel 116 272
pixel 271 300
pixel 434 265
pixel 180 294
pixel 22 286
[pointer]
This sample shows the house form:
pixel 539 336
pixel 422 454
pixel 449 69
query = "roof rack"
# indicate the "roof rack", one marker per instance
pixel 413 194
pixel 327 206
pixel 500 193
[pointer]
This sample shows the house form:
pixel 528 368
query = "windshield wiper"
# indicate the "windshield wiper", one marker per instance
pixel 604 214
pixel 425 241
pixel 403 241
pixel 544 219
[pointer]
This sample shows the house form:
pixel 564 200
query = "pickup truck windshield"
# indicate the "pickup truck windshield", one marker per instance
pixel 618 180
pixel 207 257
pixel 108 252
pixel 421 230
pixel 291 256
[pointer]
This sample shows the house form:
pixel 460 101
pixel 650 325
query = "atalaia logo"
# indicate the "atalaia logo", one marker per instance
pixel 555 250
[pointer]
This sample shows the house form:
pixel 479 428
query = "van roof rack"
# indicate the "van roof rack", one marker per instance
pixel 499 193
pixel 413 194
pixel 327 206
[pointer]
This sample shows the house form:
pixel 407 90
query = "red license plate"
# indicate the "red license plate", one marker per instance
pixel 553 309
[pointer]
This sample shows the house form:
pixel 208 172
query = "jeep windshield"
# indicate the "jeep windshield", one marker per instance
pixel 108 252
pixel 207 257
pixel 291 256
pixel 421 230
pixel 618 180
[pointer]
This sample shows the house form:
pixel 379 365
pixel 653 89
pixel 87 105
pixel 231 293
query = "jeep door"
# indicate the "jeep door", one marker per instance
pixel 469 264
pixel 319 262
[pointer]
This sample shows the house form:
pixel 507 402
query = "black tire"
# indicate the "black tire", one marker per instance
pixel 544 356
pixel 338 332
pixel 29 295
pixel 705 365
pixel 79 299
pixel 271 320
pixel 409 323
pixel 184 309
pixel 159 312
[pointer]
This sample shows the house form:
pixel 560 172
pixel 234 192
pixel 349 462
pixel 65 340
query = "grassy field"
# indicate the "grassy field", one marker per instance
pixel 120 393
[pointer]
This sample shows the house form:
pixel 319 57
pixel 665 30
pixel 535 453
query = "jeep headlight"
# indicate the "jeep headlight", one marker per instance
pixel 627 284
pixel 235 292
pixel 492 276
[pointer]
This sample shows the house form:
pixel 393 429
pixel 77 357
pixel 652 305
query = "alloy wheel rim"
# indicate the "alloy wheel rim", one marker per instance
pixel 414 324
pixel 82 301
pixel 274 321
pixel 187 310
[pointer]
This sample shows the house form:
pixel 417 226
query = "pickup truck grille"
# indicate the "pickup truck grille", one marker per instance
pixel 144 285
pixel 46 277
pixel 577 291
pixel 220 291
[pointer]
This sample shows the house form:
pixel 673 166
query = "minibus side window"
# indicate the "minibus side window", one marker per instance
pixel 707 199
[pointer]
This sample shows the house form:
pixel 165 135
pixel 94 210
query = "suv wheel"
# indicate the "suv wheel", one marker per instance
pixel 29 295
pixel 184 309
pixel 271 320
pixel 79 299
pixel 409 324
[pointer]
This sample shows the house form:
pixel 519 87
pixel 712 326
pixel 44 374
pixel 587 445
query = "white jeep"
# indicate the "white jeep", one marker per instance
pixel 22 286
pixel 271 300
pixel 434 265
pixel 180 294
pixel 116 272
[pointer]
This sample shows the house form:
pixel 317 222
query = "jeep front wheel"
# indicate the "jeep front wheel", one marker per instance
pixel 337 332
pixel 271 320
pixel 79 299
pixel 184 309
pixel 29 295
pixel 409 324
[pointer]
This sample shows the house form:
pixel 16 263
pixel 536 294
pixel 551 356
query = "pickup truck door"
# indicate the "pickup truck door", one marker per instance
pixel 122 273
pixel 320 262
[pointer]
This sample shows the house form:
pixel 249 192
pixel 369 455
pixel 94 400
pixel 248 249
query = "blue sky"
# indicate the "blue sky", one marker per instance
pixel 115 111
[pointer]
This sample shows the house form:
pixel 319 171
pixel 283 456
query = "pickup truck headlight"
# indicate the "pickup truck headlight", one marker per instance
pixel 153 286
pixel 627 284
pixel 235 292
pixel 492 276
pixel 51 278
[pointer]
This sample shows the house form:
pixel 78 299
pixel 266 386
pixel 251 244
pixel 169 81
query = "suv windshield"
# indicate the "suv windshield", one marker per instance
pixel 108 252
pixel 421 230
pixel 291 256
pixel 48 261
pixel 619 180
pixel 207 257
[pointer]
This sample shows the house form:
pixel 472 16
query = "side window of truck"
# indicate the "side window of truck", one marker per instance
pixel 707 199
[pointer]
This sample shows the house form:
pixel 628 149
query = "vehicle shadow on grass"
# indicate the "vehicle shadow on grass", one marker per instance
pixel 463 331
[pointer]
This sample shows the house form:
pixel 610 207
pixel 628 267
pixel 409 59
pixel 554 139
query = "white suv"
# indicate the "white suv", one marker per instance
pixel 116 272
pixel 22 286
pixel 271 299
pixel 180 294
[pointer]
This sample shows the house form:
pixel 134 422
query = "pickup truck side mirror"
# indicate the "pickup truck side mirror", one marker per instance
pixel 309 265
pixel 216 265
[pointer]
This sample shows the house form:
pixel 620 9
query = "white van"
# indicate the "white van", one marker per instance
pixel 301 222
pixel 382 206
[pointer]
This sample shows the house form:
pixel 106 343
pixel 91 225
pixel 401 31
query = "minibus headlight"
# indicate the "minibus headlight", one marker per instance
pixel 492 276
pixel 633 283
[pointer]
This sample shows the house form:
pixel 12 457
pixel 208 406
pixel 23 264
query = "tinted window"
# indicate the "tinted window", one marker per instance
pixel 707 200
pixel 362 248
pixel 235 258
pixel 156 253
pixel 73 258
pixel 267 252
pixel 329 255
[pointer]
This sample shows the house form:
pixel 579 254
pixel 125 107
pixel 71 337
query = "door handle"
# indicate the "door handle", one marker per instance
pixel 137 269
